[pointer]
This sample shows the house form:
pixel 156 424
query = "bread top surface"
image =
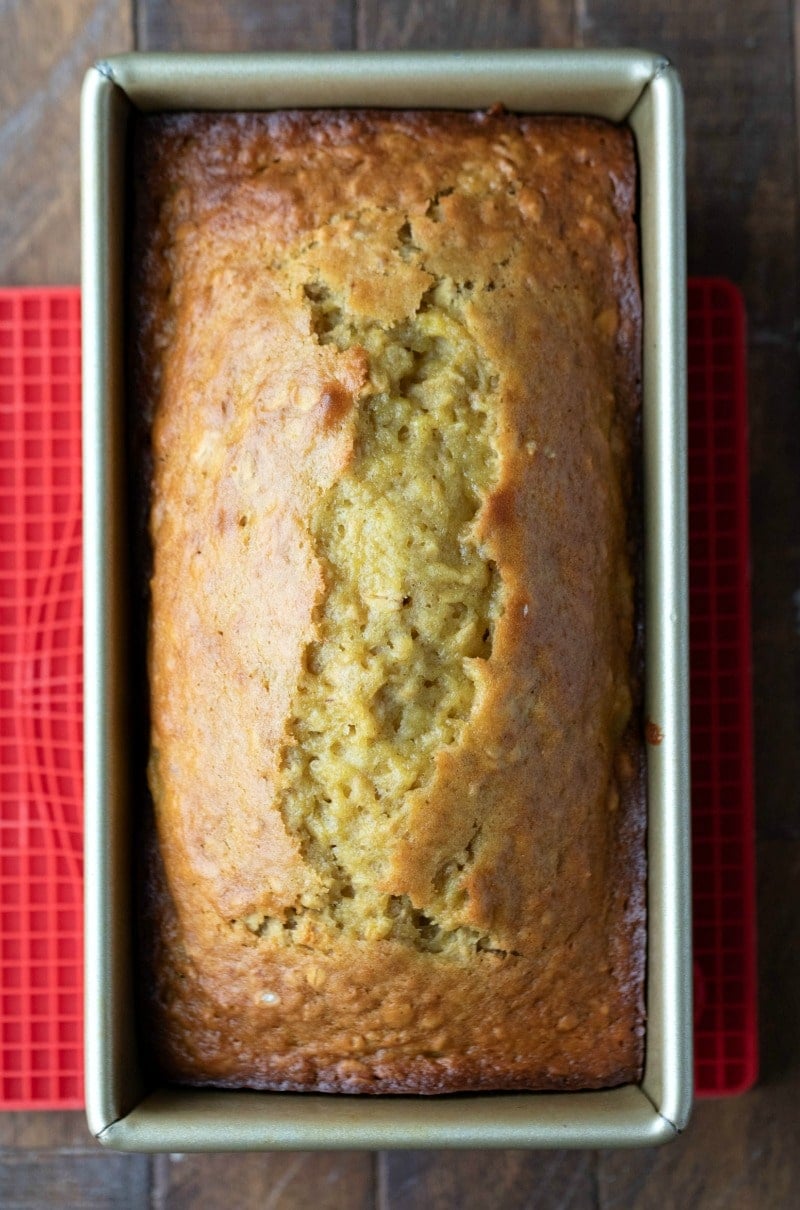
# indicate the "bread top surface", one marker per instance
pixel 391 365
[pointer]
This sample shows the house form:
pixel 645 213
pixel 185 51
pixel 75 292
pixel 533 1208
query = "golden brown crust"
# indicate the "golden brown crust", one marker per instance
pixel 536 812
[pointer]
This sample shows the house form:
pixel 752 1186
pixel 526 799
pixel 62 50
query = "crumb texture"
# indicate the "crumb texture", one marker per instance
pixel 409 609
pixel 390 368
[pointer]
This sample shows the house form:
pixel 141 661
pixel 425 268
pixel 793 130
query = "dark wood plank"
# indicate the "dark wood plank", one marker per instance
pixel 779 984
pixel 774 380
pixel 244 25
pixel 277 1181
pixel 61 1130
pixel 797 84
pixel 443 24
pixel 45 48
pixel 102 1181
pixel 740 1153
pixel 732 1156
pixel 474 1180
pixel 726 1159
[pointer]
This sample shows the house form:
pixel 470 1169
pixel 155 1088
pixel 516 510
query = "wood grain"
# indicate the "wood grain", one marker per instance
pixel 726 1159
pixel 474 1180
pixel 796 8
pixel 242 25
pixel 280 1181
pixel 36 1131
pixel 45 48
pixel 445 24
pixel 68 1181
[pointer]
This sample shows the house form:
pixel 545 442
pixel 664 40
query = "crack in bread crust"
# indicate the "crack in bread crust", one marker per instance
pixel 409 610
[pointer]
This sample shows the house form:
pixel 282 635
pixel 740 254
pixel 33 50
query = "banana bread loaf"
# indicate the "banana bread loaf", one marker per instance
pixel 389 364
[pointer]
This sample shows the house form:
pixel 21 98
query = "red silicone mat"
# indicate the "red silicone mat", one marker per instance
pixel 40 698
pixel 723 858
pixel 41 967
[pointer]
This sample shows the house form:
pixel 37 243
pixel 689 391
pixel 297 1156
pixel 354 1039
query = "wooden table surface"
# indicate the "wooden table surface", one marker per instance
pixel 739 63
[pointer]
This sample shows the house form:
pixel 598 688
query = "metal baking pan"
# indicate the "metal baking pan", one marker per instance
pixel 124 1110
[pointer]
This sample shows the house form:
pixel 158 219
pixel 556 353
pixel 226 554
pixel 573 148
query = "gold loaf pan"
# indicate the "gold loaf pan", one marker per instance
pixel 124 1108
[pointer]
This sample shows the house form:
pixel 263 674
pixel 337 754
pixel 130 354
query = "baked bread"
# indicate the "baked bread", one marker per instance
pixel 390 366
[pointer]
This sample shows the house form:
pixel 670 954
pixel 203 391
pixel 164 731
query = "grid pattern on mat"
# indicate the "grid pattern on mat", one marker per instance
pixel 41 965
pixel 723 860
pixel 41 697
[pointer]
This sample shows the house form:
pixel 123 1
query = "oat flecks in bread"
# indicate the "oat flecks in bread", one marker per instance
pixel 391 365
